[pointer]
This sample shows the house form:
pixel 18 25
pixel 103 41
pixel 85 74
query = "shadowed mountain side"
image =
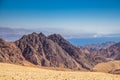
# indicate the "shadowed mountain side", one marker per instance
pixel 83 59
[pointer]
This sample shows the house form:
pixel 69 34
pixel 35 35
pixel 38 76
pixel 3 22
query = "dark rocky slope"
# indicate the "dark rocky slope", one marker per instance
pixel 83 59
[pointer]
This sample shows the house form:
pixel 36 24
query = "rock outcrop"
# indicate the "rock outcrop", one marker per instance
pixel 114 51
pixel 10 53
pixel 111 53
pixel 85 60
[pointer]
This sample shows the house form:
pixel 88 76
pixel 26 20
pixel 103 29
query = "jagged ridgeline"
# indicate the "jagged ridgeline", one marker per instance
pixel 52 51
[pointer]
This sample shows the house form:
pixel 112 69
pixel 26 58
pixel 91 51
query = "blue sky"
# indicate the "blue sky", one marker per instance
pixel 63 16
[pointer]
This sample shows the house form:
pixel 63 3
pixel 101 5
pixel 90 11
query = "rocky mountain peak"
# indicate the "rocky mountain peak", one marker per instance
pixel 52 51
pixel 41 34
pixel 40 50
pixel 58 36
pixel 60 40
pixel 73 51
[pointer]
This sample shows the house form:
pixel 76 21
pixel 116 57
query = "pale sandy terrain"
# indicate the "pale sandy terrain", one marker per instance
pixel 111 66
pixel 15 72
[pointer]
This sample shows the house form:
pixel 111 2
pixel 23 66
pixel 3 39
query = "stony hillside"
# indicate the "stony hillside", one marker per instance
pixel 114 51
pixel 111 53
pixel 80 57
pixel 10 53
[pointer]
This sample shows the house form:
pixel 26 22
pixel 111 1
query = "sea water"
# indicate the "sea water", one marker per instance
pixel 85 41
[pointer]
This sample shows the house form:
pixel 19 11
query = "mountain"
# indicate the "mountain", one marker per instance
pixel 55 51
pixel 81 58
pixel 10 53
pixel 98 46
pixel 77 39
pixel 10 34
pixel 40 50
pixel 113 52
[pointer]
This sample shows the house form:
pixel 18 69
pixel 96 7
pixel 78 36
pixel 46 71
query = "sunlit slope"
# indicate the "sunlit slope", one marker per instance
pixel 16 72
pixel 109 67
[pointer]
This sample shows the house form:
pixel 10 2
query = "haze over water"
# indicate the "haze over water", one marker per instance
pixel 70 18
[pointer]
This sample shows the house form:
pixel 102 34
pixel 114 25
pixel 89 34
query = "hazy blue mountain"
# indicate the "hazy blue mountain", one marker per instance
pixel 10 34
pixel 98 46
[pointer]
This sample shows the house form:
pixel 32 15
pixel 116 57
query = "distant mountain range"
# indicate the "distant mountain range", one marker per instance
pixel 98 46
pixel 55 51
pixel 12 34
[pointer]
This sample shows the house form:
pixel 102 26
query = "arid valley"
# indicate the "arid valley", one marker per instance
pixel 16 72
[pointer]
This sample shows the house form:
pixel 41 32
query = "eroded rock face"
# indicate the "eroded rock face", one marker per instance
pixel 85 60
pixel 40 50
pixel 111 53
pixel 30 45
pixel 114 51
pixel 10 53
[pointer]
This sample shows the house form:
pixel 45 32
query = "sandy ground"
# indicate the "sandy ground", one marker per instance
pixel 16 72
